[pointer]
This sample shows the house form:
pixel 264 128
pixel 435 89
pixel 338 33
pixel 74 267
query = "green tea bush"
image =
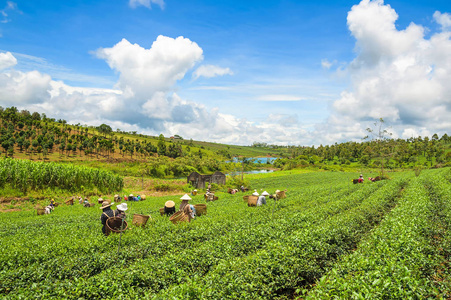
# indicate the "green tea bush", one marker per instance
pixel 349 235
pixel 397 261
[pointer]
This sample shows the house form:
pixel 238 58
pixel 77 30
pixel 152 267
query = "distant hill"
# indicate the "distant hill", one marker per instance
pixel 35 136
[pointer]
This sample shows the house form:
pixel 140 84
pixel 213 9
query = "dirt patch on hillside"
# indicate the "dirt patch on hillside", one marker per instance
pixel 8 200
pixel 9 210
pixel 122 160
pixel 8 207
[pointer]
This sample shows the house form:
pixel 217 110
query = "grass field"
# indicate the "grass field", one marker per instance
pixel 329 239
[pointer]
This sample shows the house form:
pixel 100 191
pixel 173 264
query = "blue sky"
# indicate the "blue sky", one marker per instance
pixel 281 72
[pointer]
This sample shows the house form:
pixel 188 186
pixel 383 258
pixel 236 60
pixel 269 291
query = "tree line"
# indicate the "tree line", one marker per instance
pixel 35 134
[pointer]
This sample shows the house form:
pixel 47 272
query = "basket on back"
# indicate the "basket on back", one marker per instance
pixel 70 202
pixel 115 225
pixel 179 216
pixel 211 198
pixel 40 211
pixel 201 209
pixel 245 198
pixel 281 195
pixel 252 200
pixel 140 220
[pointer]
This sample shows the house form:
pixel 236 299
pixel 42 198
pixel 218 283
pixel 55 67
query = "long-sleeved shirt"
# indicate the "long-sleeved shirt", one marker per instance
pixel 261 200
pixel 107 213
pixel 119 213
pixel 183 204
pixel 169 210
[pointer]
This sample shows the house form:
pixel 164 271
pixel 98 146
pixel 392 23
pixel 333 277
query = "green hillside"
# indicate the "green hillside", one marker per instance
pixel 149 164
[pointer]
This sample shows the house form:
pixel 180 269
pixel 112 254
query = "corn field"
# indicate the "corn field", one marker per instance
pixel 27 175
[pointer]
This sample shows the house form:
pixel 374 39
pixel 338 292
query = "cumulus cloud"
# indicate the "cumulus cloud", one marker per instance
pixel 284 119
pixel 18 88
pixel 144 72
pixel 398 75
pixel 146 3
pixel 7 60
pixel 442 19
pixel 210 71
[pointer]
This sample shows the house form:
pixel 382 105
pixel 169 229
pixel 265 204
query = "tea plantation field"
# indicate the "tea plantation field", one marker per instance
pixel 329 239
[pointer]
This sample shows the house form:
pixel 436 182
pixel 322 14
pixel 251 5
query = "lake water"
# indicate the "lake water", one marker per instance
pixel 260 160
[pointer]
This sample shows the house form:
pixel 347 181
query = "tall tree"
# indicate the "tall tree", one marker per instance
pixel 104 129
pixel 379 133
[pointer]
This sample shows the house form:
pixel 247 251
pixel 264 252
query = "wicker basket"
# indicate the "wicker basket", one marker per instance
pixel 281 195
pixel 211 198
pixel 140 220
pixel 92 204
pixel 114 225
pixel 194 193
pixel 70 202
pixel 179 217
pixel 245 198
pixel 143 197
pixel 41 211
pixel 201 209
pixel 252 201
pixel 162 211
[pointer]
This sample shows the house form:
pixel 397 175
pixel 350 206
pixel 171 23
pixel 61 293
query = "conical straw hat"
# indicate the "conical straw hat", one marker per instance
pixel 169 204
pixel 185 197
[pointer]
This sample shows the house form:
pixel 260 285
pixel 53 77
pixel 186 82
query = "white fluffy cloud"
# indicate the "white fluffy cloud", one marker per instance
pixel 284 120
pixel 210 71
pixel 442 19
pixel 146 3
pixel 18 88
pixel 7 60
pixel 144 72
pixel 398 75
